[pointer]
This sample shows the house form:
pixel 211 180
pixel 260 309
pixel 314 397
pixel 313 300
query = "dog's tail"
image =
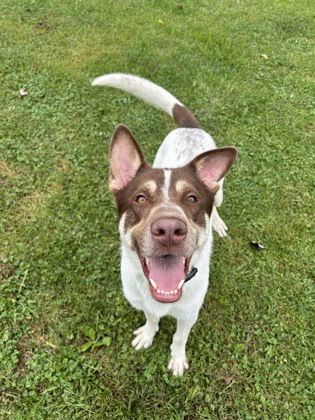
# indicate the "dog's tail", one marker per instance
pixel 151 93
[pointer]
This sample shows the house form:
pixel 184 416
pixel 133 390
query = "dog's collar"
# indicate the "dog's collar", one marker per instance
pixel 191 274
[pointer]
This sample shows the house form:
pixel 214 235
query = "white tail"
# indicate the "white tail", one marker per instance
pixel 142 88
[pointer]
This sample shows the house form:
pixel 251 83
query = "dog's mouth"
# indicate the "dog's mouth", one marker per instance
pixel 166 275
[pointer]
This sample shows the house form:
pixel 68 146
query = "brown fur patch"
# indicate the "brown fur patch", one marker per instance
pixel 190 185
pixel 184 117
pixel 142 183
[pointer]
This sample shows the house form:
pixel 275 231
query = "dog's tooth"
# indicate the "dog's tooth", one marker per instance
pixel 183 260
pixel 153 283
pixel 159 291
pixel 181 283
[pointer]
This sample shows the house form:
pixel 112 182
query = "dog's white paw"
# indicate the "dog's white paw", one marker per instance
pixel 178 366
pixel 221 228
pixel 218 224
pixel 144 337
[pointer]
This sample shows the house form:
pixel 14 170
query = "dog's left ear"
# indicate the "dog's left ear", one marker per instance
pixel 211 166
pixel 126 158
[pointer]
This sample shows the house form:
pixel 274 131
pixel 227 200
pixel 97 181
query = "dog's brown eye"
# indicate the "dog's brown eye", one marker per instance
pixel 191 199
pixel 140 198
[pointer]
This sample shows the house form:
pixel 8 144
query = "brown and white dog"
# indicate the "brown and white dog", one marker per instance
pixel 166 212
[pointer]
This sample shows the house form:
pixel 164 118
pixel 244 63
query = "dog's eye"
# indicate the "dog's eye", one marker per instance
pixel 140 199
pixel 191 199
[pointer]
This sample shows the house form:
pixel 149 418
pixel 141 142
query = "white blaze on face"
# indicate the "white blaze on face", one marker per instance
pixel 167 183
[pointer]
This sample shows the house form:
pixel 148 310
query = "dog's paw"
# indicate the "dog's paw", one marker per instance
pixel 218 225
pixel 220 228
pixel 144 338
pixel 178 366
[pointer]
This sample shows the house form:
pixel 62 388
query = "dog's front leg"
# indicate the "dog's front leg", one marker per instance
pixel 218 224
pixel 145 334
pixel 178 363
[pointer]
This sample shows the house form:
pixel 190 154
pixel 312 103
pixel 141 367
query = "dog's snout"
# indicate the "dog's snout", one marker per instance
pixel 169 231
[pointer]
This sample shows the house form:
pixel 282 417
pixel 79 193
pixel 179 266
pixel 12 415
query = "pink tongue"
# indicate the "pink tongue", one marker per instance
pixel 167 272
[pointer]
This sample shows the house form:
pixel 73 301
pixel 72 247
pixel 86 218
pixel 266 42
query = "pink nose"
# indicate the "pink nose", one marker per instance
pixel 169 232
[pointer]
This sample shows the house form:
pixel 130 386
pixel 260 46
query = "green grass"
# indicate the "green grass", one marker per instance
pixel 246 68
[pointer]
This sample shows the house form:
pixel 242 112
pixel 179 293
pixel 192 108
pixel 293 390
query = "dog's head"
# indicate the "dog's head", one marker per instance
pixel 164 212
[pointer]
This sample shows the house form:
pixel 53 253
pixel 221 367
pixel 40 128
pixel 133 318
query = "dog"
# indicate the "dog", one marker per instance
pixel 167 212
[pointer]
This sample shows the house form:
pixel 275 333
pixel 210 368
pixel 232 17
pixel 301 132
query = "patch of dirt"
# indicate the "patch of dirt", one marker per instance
pixel 24 357
pixel 6 270
pixel 5 170
pixel 31 341
pixel 36 203
pixel 44 26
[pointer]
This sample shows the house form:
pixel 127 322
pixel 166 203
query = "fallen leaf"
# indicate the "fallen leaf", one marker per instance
pixel 50 344
pixel 257 246
pixel 227 379
pixel 264 56
pixel 23 93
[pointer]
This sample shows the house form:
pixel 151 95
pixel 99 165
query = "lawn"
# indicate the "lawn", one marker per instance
pixel 246 69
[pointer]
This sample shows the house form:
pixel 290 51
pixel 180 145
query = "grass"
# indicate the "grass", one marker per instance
pixel 247 71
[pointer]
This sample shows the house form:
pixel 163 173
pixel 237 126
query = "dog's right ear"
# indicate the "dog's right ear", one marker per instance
pixel 212 165
pixel 126 158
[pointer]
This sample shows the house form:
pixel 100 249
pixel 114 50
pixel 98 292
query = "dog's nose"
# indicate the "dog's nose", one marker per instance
pixel 169 231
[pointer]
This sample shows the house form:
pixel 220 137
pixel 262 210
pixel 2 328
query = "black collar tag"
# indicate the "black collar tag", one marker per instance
pixel 191 274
